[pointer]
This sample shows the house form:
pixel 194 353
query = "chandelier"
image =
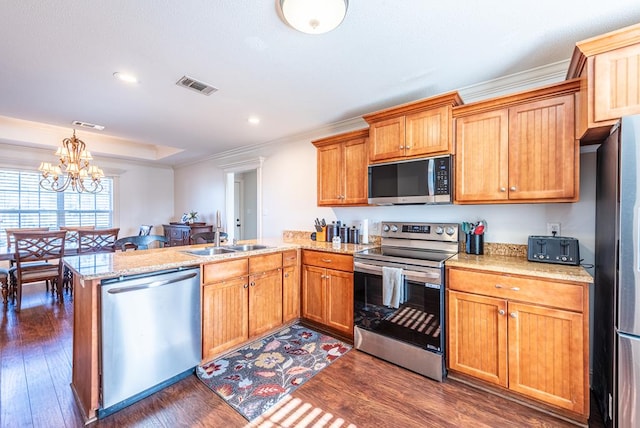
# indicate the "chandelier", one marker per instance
pixel 73 170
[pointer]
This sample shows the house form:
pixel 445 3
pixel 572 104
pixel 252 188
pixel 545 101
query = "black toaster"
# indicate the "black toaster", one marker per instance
pixel 554 249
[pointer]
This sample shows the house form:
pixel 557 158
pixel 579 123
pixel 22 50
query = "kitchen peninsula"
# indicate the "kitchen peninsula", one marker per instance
pixel 89 272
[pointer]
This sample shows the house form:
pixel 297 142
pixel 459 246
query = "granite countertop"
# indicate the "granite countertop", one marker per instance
pixel 519 266
pixel 112 265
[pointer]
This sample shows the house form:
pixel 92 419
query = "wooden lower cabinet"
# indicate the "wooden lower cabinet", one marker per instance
pixel 225 316
pixel 519 334
pixel 290 286
pixel 265 301
pixel 327 293
pixel 241 299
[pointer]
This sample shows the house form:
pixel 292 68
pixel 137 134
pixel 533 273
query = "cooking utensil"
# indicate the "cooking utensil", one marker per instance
pixel 479 230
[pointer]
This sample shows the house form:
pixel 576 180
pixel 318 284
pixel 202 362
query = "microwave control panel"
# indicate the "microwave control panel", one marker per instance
pixel 443 173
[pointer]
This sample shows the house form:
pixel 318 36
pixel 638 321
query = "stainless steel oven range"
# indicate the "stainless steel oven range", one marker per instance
pixel 399 295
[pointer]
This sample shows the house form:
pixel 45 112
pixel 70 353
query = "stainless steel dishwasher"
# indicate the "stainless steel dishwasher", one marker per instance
pixel 151 334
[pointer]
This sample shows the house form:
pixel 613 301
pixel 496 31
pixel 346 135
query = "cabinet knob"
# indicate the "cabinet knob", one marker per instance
pixel 326 260
pixel 286 275
pixel 503 189
pixel 253 283
pixel 499 286
pixel 512 188
pixel 401 147
pixel 245 286
pixel 513 315
pixel 501 312
pixel 407 147
pixel 515 288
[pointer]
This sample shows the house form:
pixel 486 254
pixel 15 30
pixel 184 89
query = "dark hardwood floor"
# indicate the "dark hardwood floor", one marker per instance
pixel 355 391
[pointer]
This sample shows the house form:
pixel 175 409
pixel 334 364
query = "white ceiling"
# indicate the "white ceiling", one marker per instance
pixel 57 60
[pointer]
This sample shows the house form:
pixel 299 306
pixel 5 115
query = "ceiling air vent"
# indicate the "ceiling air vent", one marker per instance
pixel 195 85
pixel 87 125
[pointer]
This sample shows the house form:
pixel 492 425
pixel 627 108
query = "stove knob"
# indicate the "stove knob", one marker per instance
pixel 394 228
pixel 439 230
pixel 385 228
pixel 450 231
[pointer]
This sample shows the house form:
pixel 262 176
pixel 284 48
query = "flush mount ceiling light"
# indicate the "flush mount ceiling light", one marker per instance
pixel 314 16
pixel 254 120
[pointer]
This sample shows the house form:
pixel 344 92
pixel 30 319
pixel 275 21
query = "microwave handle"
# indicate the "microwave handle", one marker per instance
pixel 431 177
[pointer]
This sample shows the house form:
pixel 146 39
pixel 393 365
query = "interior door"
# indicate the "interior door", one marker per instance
pixel 237 209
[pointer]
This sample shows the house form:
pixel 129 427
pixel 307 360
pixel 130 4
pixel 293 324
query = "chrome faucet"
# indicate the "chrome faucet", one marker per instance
pixel 218 227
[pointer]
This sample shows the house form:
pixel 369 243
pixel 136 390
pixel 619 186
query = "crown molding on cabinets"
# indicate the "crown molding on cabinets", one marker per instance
pixel 528 79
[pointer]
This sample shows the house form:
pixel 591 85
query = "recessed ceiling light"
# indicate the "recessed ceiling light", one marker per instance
pixel 129 78
pixel 254 120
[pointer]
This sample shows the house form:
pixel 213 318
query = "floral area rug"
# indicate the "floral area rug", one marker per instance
pixel 256 377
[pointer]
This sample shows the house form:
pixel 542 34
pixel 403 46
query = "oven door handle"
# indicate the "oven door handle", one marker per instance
pixel 408 274
pixel 367 268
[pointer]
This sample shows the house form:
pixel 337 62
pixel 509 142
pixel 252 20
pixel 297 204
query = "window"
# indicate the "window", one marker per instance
pixel 23 203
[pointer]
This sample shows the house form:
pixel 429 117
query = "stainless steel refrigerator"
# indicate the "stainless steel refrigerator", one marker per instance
pixel 616 340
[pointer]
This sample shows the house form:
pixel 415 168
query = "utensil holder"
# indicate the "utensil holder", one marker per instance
pixel 474 244
pixel 321 235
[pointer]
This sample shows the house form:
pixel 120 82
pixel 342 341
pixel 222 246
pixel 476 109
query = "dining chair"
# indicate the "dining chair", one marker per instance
pixel 139 242
pixel 72 233
pixel 4 283
pixel 11 242
pixel 206 237
pixel 37 247
pixel 97 240
pixel 145 230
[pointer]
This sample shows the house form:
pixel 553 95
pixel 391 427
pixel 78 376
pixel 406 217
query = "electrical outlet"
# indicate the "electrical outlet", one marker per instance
pixel 553 229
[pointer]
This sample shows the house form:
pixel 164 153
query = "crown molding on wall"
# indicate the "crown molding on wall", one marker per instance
pixel 528 79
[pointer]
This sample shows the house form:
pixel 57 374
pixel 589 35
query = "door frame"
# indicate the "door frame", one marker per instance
pixel 230 170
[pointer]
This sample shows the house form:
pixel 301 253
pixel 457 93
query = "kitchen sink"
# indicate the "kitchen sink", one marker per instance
pixel 210 251
pixel 248 247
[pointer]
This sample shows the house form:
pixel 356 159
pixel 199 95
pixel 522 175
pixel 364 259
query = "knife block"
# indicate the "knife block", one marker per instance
pixel 321 236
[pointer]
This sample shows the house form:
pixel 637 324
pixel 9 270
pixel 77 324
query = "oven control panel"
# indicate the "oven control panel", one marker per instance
pixel 421 231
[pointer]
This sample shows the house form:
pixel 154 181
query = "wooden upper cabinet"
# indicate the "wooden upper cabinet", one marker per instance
pixel 518 148
pixel 413 130
pixel 543 153
pixel 342 169
pixel 482 159
pixel 609 67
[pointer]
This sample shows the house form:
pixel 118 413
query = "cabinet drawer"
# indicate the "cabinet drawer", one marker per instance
pixel 342 262
pixel 290 258
pixel 264 263
pixel 541 292
pixel 214 272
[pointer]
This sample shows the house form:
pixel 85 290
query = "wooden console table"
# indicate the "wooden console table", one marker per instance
pixel 178 233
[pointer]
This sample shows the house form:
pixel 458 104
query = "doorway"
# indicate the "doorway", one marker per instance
pixel 243 210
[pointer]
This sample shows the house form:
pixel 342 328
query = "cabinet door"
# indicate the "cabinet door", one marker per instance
pixel 542 150
pixel 427 132
pixel 477 338
pixel 547 360
pixel 339 301
pixel 386 139
pixel 290 293
pixel 313 293
pixel 355 172
pixel 265 301
pixel 482 157
pixel 224 316
pixel 617 83
pixel 330 183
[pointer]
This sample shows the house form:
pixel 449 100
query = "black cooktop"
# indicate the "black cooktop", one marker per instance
pixel 406 255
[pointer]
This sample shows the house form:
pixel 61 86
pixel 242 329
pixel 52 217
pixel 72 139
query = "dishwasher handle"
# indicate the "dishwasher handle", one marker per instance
pixel 126 289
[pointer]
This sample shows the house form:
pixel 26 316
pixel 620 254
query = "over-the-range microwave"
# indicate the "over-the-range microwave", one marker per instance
pixel 418 181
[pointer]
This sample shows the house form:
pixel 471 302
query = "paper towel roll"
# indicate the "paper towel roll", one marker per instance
pixel 364 230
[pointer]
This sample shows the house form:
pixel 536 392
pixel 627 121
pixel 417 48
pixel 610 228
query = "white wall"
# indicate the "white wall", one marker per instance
pixel 199 187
